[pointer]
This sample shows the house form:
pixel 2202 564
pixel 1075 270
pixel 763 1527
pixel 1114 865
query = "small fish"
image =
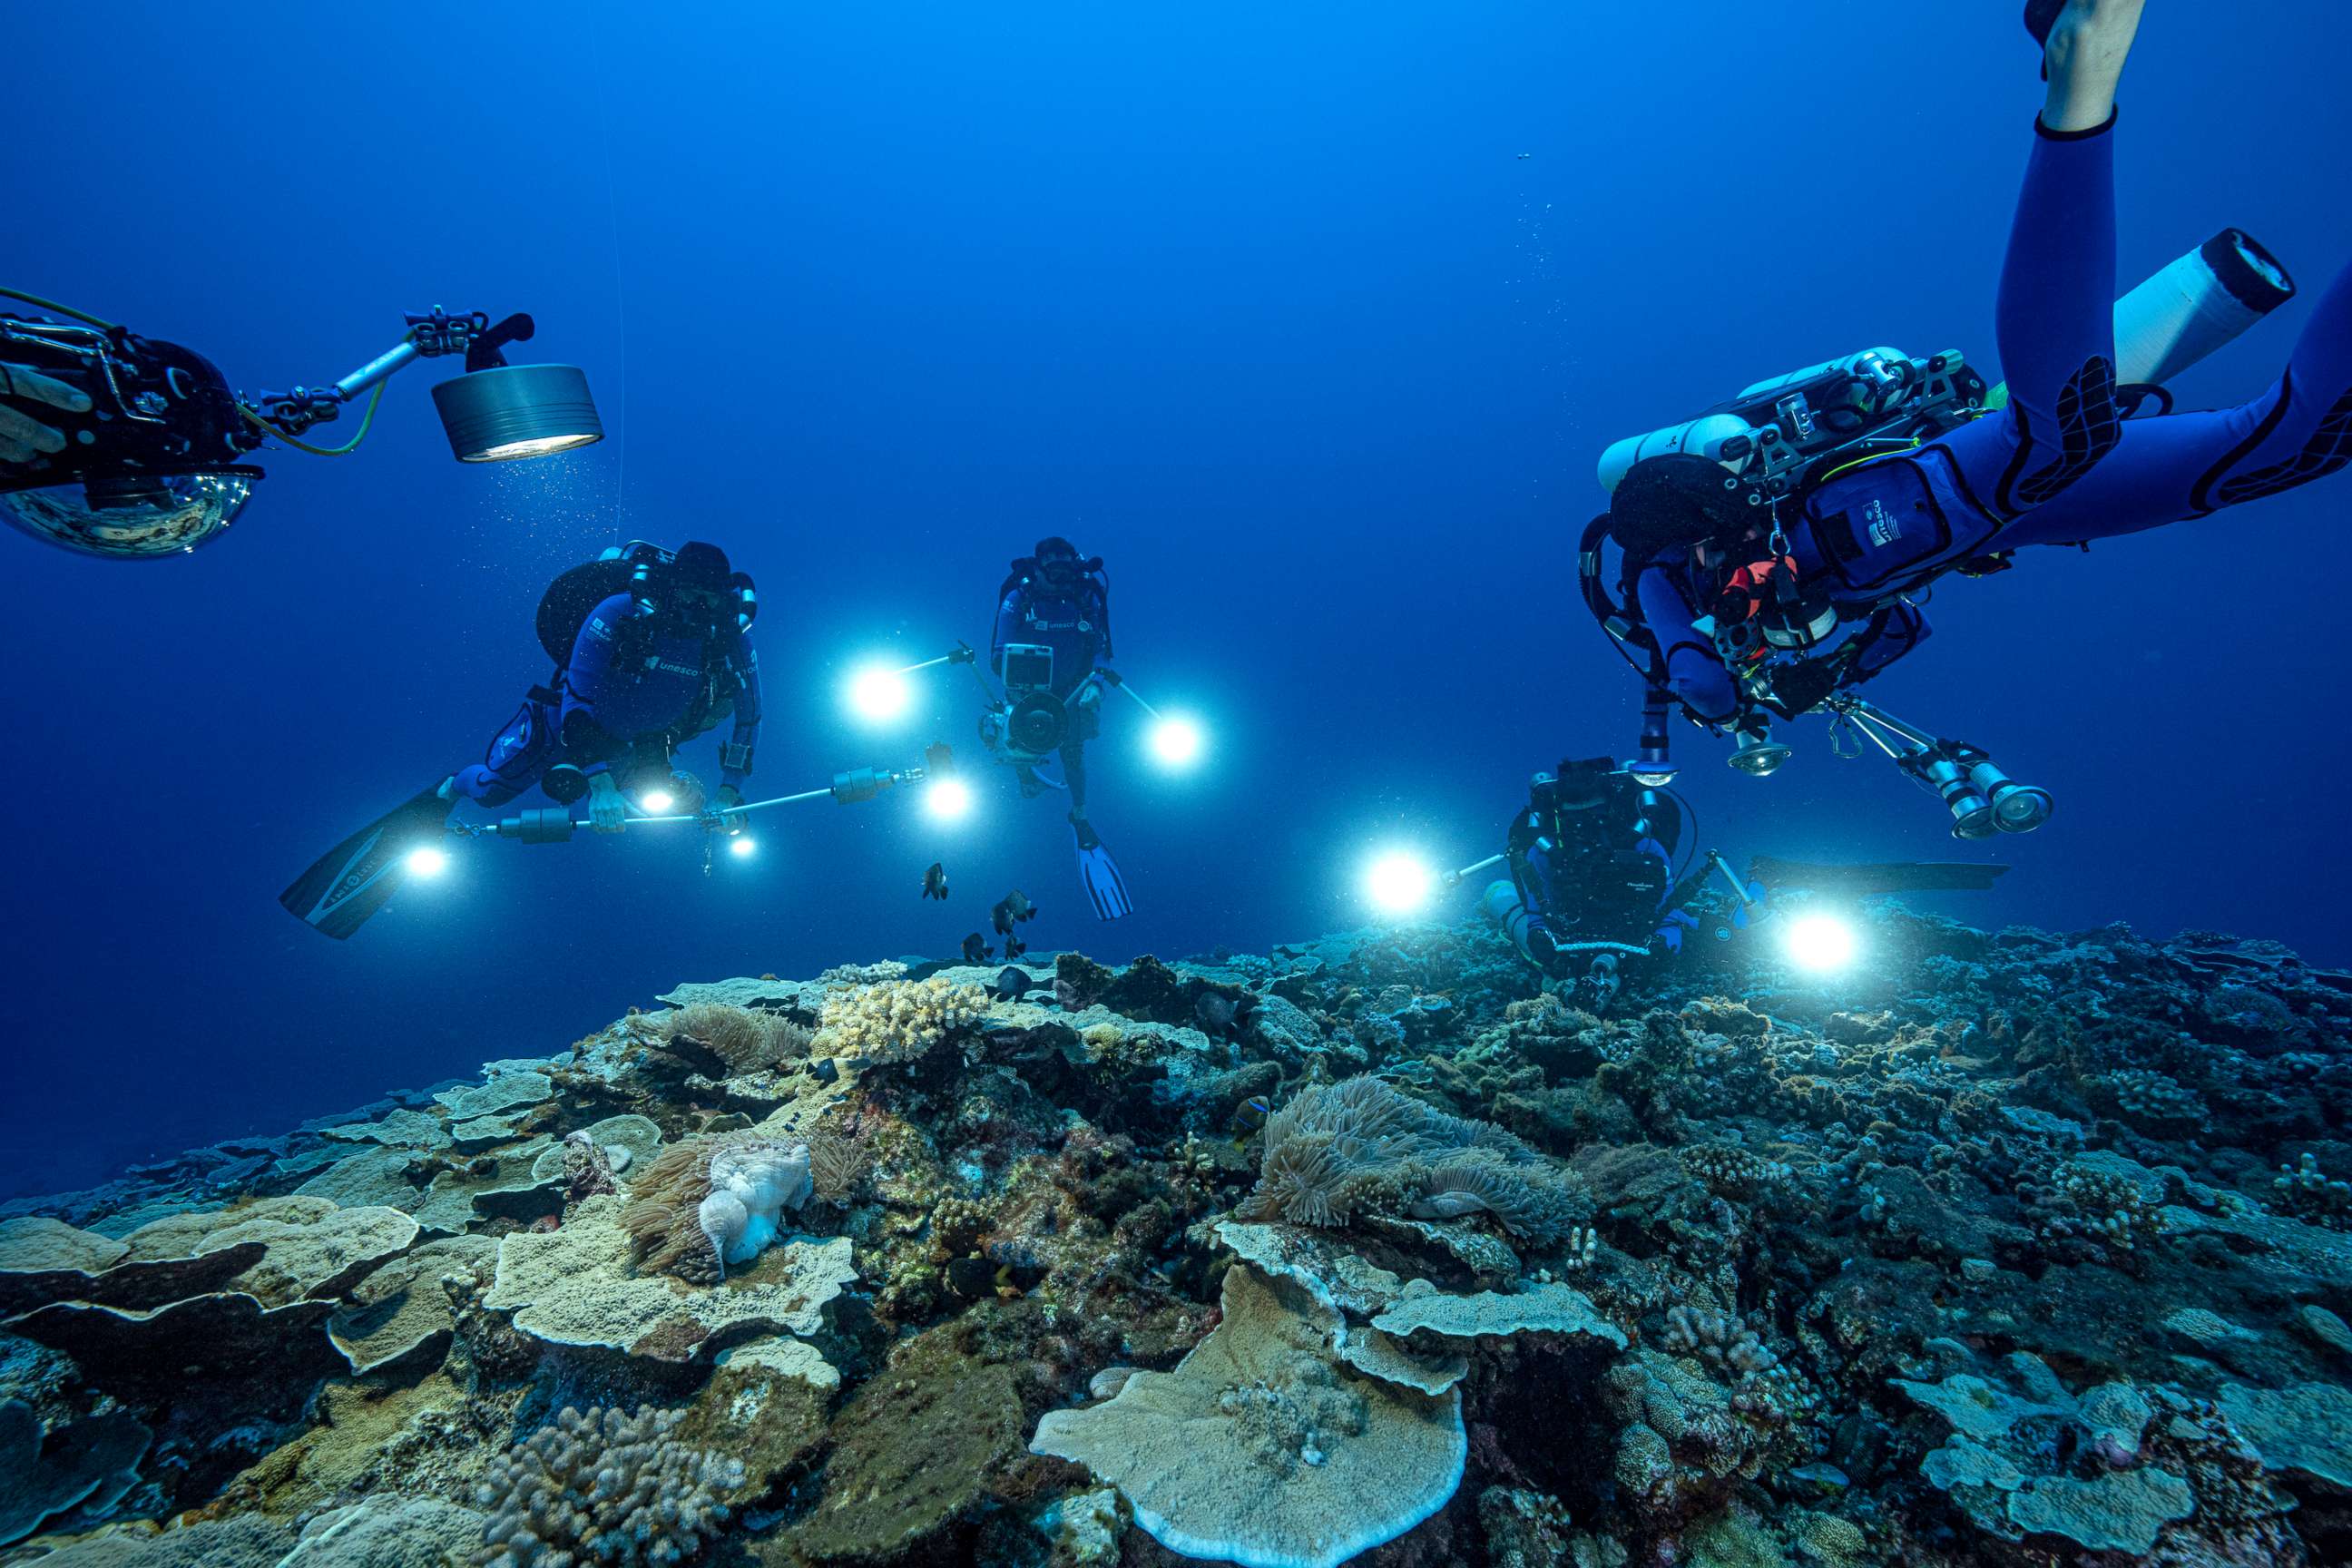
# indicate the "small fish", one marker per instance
pixel 1014 946
pixel 1526 155
pixel 1012 984
pixel 935 882
pixel 976 949
pixel 1014 906
pixel 1252 1115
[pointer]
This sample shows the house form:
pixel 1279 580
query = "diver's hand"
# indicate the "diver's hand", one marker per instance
pixel 608 808
pixel 22 436
pixel 727 799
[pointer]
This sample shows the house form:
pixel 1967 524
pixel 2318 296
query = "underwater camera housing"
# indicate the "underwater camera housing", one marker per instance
pixel 1031 722
pixel 157 465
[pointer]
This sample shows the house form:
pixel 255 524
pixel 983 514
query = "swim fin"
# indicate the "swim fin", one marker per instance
pixel 358 876
pixel 1885 877
pixel 1106 888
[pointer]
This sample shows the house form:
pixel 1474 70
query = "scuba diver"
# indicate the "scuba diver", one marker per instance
pixel 1594 880
pixel 1049 648
pixel 651 650
pixel 1592 875
pixel 1776 551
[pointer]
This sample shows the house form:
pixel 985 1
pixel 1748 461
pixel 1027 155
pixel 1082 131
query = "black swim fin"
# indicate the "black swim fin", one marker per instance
pixel 1098 873
pixel 2040 15
pixel 1883 877
pixel 358 876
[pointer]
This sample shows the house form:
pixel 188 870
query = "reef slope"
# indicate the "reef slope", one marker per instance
pixel 2000 1250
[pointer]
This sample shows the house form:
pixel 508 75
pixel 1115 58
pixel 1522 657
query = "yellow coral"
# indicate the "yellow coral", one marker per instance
pixel 897 1020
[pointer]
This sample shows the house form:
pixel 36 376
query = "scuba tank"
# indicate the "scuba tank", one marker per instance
pixel 1777 426
pixel 1501 903
pixel 2192 307
pixel 637 569
pixel 1781 435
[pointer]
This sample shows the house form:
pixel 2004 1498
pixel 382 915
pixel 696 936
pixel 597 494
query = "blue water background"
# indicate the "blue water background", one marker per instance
pixel 1264 304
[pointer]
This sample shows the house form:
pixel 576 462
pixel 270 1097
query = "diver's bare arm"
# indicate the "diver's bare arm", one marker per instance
pixel 2086 58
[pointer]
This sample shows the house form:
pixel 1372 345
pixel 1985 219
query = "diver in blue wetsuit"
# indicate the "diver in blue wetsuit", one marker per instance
pixel 1051 647
pixel 1592 875
pixel 1755 590
pixel 651 651
pixel 659 660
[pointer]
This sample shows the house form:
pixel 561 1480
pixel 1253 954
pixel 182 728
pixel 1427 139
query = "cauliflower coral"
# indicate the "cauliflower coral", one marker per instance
pixel 897 1020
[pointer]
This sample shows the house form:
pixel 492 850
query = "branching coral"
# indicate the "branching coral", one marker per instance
pixel 1337 1148
pixel 604 1487
pixel 897 1020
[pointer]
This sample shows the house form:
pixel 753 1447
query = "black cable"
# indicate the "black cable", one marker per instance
pixel 1690 813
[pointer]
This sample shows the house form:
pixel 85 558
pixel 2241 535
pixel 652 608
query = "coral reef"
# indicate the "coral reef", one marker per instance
pixel 1335 1149
pixel 897 1020
pixel 603 1487
pixel 2005 1250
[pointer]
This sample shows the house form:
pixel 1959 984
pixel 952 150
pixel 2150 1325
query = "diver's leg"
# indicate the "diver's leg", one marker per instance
pixel 514 759
pixel 2053 318
pixel 2178 466
pixel 2083 59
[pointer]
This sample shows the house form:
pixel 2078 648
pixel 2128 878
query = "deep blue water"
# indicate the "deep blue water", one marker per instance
pixel 1263 303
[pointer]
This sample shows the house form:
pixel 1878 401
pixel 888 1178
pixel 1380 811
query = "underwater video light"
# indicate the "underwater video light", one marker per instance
pixel 1176 741
pixel 155 456
pixel 948 799
pixel 427 860
pixel 743 847
pixel 1399 883
pixel 657 801
pixel 512 411
pixel 879 694
pixel 1820 944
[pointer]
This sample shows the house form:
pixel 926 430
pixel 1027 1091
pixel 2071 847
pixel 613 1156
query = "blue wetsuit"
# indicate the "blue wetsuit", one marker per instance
pixel 2059 466
pixel 1601 873
pixel 1076 623
pixel 628 687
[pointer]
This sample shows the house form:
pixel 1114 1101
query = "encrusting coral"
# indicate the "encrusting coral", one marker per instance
pixel 604 1488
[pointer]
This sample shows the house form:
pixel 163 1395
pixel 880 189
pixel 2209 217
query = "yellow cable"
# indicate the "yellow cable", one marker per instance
pixel 1875 456
pixel 345 450
pixel 38 303
pixel 367 418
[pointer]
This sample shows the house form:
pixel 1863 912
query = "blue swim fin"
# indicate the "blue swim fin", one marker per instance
pixel 1106 888
pixel 358 876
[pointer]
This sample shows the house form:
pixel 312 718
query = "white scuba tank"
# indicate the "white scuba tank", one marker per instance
pixel 1500 904
pixel 1863 372
pixel 2187 310
pixel 2196 305
pixel 1706 436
